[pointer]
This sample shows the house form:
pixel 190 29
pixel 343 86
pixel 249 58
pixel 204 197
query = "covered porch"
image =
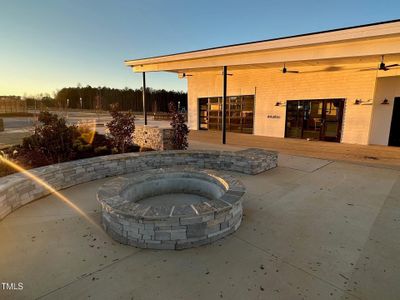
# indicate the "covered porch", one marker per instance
pixel 339 68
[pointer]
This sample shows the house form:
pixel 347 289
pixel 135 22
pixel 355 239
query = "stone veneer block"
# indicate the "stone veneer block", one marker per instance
pixel 153 137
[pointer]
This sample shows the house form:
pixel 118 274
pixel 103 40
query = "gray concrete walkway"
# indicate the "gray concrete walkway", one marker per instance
pixel 313 229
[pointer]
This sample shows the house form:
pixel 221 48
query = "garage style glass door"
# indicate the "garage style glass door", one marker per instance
pixel 314 119
pixel 239 113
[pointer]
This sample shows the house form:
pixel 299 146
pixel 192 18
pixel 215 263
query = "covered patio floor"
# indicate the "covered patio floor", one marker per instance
pixel 376 155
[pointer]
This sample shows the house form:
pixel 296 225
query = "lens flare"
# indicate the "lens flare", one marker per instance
pixel 88 130
pixel 48 187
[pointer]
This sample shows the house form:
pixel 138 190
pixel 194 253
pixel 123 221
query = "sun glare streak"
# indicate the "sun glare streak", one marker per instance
pixel 48 187
pixel 88 130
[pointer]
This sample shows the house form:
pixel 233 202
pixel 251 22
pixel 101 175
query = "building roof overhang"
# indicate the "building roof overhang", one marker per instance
pixel 360 41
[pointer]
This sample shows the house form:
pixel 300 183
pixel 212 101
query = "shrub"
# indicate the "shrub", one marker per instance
pixel 102 150
pixel 100 140
pixel 121 127
pixel 28 158
pixel 87 130
pixel 180 129
pixel 53 138
pixel 88 145
pixel 82 148
pixel 4 168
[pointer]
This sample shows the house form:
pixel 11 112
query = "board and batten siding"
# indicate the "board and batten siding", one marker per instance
pixel 270 85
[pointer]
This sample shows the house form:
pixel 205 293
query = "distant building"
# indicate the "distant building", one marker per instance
pixel 341 85
pixel 9 104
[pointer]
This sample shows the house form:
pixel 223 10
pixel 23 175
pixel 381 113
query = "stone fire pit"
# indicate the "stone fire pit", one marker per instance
pixel 171 208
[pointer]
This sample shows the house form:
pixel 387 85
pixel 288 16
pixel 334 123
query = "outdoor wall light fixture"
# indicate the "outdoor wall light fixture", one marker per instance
pixel 385 101
pixel 363 102
pixel 280 103
pixel 183 75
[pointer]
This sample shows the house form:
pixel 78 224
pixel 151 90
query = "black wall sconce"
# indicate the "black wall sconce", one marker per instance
pixel 363 102
pixel 385 101
pixel 280 103
pixel 183 75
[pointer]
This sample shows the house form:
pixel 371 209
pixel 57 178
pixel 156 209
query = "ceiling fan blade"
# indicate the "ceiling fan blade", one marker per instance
pixel 333 68
pixel 293 71
pixel 330 69
pixel 369 69
pixel 393 65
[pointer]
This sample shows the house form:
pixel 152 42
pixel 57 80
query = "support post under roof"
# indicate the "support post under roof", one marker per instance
pixel 144 99
pixel 224 85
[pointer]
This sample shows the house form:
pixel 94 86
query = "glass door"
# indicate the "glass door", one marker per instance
pixel 215 114
pixel 203 114
pixel 314 119
pixel 247 114
pixel 332 120
pixel 294 119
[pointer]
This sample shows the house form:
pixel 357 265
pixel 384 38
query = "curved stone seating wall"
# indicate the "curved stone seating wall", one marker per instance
pixel 17 190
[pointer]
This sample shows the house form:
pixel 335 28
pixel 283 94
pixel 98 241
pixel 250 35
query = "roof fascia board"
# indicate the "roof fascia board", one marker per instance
pixel 359 48
pixel 306 40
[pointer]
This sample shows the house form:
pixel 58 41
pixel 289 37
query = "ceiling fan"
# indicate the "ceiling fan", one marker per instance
pixel 382 66
pixel 184 75
pixel 285 70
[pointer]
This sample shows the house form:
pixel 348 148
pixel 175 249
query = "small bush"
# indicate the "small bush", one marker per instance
pixel 180 129
pixel 4 168
pixel 53 138
pixel 121 127
pixel 87 130
pixel 100 140
pixel 102 150
pixel 81 148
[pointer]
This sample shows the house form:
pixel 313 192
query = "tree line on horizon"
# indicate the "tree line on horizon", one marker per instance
pixel 102 98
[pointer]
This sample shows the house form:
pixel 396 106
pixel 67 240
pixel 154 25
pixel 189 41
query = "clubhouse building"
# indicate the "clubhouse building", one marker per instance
pixel 340 85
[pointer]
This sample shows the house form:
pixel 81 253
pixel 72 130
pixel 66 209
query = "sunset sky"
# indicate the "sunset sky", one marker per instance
pixel 46 45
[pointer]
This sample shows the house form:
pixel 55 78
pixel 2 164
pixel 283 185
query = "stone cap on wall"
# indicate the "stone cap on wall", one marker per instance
pixel 17 190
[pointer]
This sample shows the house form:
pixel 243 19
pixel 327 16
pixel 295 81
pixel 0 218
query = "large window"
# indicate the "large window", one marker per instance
pixel 239 113
pixel 314 119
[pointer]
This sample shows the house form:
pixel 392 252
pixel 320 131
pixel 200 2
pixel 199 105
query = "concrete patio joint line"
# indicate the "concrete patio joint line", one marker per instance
pixel 89 274
pixel 297 267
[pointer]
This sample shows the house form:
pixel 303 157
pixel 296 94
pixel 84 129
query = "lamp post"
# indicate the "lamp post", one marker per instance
pixel 80 100
pixel 67 107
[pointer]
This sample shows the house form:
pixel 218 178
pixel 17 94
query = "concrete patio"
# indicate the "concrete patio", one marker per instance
pixel 312 229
